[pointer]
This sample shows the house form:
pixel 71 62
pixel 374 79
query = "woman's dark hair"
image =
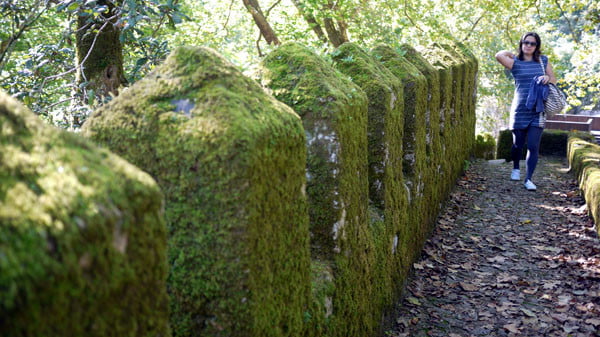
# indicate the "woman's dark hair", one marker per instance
pixel 537 52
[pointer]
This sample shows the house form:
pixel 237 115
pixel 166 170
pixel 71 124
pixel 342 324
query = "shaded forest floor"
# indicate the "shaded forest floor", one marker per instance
pixel 504 261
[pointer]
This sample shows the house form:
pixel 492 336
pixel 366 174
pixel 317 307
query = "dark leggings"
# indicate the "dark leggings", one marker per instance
pixel 533 135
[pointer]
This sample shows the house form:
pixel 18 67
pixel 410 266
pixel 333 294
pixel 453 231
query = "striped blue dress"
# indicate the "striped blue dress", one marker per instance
pixel 523 72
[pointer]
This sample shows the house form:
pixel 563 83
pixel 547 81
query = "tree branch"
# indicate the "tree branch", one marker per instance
pixel 562 13
pixel 473 26
pixel 311 20
pixel 261 21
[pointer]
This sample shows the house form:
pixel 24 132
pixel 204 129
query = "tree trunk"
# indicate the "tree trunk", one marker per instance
pixel 100 54
pixel 312 21
pixel 261 21
pixel 337 34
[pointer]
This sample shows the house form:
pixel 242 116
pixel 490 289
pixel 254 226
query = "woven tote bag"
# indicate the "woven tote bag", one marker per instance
pixel 556 101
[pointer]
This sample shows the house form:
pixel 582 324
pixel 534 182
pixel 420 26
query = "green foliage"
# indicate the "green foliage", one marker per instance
pixel 568 30
pixel 37 58
pixel 485 146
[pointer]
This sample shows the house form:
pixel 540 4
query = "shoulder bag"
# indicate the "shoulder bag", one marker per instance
pixel 556 101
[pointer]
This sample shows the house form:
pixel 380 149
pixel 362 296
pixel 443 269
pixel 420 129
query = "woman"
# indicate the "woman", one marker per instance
pixel 526 124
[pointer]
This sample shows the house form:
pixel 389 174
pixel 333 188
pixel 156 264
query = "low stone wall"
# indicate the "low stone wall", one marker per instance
pixel 82 236
pixel 584 161
pixel 231 161
pixel 417 125
pixel 304 222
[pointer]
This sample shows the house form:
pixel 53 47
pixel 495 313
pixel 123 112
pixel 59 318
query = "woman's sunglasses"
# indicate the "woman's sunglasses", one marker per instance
pixel 529 43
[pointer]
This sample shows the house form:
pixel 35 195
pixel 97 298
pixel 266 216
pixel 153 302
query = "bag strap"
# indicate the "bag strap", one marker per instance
pixel 542 65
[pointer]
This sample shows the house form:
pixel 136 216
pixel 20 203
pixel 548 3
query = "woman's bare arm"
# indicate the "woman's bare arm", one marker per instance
pixel 550 73
pixel 506 58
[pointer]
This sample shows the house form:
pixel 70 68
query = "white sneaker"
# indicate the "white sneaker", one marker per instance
pixel 529 185
pixel 515 174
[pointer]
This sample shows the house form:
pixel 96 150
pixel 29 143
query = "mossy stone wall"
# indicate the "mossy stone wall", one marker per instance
pixel 445 57
pixel 413 155
pixel 231 162
pixel 278 224
pixel 434 175
pixel 584 157
pixel 82 236
pixel 387 191
pixel 334 115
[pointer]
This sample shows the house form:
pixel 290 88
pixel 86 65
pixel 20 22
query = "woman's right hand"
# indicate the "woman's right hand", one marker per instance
pixel 506 58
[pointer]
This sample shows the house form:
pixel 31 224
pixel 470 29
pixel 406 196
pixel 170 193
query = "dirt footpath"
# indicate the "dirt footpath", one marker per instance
pixel 504 261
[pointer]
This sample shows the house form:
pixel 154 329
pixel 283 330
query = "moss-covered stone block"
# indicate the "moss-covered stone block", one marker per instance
pixel 584 161
pixel 414 148
pixel 231 162
pixel 434 175
pixel 334 115
pixel 386 185
pixel 82 236
pixel 464 74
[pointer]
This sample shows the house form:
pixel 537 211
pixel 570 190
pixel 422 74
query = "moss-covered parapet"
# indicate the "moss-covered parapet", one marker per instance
pixel 82 237
pixel 414 143
pixel 231 162
pixel 584 157
pixel 469 89
pixel 386 183
pixel 436 184
pixel 334 115
pixel 459 126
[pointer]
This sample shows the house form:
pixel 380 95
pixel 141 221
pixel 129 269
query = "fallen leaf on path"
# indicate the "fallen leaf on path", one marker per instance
pixel 593 321
pixel 528 312
pixel 414 301
pixel 514 327
pixel 468 286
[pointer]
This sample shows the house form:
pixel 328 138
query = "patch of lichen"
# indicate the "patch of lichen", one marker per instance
pixel 230 160
pixel 584 158
pixel 334 115
pixel 436 176
pixel 386 132
pixel 82 237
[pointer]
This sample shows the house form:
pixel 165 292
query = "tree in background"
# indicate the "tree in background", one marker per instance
pixel 68 56
pixel 45 49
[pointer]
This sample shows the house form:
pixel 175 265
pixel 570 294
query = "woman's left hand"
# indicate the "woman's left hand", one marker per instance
pixel 545 79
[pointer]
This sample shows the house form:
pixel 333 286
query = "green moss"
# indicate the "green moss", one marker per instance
pixel 386 182
pixel 82 240
pixel 437 181
pixel 584 158
pixel 457 129
pixel 230 160
pixel 334 115
pixel 414 152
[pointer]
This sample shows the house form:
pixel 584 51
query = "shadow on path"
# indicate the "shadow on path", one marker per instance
pixel 504 261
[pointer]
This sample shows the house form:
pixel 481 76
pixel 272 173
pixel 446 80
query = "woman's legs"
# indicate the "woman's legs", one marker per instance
pixel 519 136
pixel 534 136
